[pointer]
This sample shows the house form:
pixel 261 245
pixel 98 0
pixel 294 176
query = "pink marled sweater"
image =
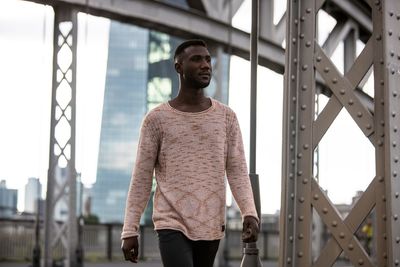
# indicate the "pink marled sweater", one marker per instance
pixel 190 152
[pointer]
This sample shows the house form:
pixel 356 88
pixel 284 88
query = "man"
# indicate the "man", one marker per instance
pixel 190 142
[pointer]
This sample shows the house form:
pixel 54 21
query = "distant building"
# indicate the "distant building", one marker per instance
pixel 8 201
pixel 33 192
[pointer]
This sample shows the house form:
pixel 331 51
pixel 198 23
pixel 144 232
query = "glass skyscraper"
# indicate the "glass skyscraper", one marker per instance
pixel 140 75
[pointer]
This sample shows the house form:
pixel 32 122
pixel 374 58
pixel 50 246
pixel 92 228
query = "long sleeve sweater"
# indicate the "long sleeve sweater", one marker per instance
pixel 190 153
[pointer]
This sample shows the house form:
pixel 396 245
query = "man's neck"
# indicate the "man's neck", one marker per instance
pixel 190 100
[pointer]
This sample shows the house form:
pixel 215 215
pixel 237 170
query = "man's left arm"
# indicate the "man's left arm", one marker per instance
pixel 239 182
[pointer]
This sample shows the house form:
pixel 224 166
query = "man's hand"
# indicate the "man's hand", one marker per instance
pixel 130 247
pixel 250 229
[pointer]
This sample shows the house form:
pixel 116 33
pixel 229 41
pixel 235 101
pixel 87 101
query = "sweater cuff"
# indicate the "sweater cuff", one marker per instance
pixel 127 234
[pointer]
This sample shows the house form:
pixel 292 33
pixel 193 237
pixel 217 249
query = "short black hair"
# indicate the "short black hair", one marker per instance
pixel 192 42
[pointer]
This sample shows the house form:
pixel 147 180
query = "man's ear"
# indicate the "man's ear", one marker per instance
pixel 178 67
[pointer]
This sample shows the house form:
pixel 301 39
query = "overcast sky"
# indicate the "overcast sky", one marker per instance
pixel 346 156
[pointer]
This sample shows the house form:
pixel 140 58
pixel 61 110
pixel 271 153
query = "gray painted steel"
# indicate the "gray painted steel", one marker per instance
pixel 61 185
pixel 380 124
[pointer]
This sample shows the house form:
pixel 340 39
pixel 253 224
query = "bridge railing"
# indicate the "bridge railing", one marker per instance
pixel 101 242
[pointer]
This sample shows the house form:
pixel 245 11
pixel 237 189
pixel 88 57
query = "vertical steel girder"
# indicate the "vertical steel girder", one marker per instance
pixel 386 35
pixel 302 134
pixel 299 105
pixel 61 182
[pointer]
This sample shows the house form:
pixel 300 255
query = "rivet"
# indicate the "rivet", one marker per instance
pixel 395 217
pixel 292 77
pixel 300 254
pixel 308 10
pixel 342 91
pixel 381 179
pixel 382 82
pixel 391 13
pixel 350 246
pixel 341 235
pixel 304 87
pixel 397 239
pixel 385 254
pixel 334 223
pixel 396 159
pixel 394 144
pixel 396 262
pixel 292 196
pixel 299 173
pixel 306 146
pixel 303 107
pixel 294 99
pixel 305 181
pixel 316 196
pixel 395 129
pixel 299 156
pixel 303 127
pixel 301 236
pixel 302 18
pixel 305 67
pixel 398 16
pixel 291 238
pixel 360 262
pixel 293 133
pixel 390 32
pixel 368 126
pixel 290 217
pixel 334 80
pixel 392 71
pixel 291 175
pixel 291 147
pixel 382 134
pixel 392 53
pixel 377 2
pixel 296 22
pixel 301 218
pixel 325 210
pixel 326 69
pixel 383 198
pixel 393 114
pixel 394 93
pixel 308 43
pixel 378 37
pixel 380 142
pixel 295 61
pixel 289 260
pixel 293 161
pixel 359 114
pixel 301 200
pixel 319 58
pixel 397 194
pixel 384 218
pixel 302 36
pixel 294 40
pixel 351 102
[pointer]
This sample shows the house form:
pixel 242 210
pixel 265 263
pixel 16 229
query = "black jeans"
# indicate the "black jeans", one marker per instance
pixel 179 251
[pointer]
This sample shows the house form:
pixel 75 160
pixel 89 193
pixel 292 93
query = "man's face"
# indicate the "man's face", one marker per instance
pixel 195 66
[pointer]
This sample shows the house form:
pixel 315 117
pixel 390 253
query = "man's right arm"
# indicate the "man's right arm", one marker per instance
pixel 141 181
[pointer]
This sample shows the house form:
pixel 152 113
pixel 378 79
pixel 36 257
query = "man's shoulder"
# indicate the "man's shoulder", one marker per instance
pixel 228 110
pixel 155 114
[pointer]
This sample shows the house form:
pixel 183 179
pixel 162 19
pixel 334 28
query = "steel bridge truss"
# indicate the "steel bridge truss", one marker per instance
pixel 306 61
